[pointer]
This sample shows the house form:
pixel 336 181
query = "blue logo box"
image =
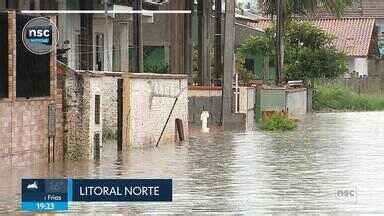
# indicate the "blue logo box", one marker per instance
pixel 53 195
pixel 44 195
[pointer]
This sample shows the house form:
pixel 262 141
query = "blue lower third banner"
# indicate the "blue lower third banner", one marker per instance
pixel 53 195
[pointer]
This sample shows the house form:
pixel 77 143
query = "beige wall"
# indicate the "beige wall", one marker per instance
pixel 148 100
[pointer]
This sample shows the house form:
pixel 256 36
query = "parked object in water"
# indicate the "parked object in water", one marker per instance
pixel 204 121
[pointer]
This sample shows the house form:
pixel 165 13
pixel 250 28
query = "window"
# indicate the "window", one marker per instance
pixel 97 109
pixel 3 55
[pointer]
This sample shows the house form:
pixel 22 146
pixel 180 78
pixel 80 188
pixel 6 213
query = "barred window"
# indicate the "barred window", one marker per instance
pixel 97 109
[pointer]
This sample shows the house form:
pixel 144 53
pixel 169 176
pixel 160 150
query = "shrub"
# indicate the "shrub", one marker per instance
pixel 278 122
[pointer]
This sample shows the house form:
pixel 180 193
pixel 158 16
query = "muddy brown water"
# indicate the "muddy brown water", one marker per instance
pixel 333 164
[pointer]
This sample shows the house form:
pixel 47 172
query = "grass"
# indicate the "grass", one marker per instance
pixel 278 122
pixel 333 96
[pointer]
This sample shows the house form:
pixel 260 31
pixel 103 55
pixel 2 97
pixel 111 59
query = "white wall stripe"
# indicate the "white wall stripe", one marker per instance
pixel 109 11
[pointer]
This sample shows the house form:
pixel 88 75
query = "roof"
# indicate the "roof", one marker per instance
pixel 352 35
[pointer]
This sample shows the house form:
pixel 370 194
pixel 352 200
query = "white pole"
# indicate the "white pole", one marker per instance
pixel 236 92
pixel 236 85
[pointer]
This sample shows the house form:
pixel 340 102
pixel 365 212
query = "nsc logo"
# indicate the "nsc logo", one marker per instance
pixel 40 35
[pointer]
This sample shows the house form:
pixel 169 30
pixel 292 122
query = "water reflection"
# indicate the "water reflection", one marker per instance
pixel 245 173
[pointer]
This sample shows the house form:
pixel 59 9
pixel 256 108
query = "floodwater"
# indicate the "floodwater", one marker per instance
pixel 333 164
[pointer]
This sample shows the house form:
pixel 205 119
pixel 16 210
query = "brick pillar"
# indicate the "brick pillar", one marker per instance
pixel 12 55
pixel 52 67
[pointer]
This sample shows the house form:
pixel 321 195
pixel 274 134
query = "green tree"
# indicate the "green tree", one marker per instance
pixel 285 9
pixel 308 52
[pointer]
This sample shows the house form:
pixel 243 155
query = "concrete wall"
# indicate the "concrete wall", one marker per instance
pixel 24 122
pixel 296 102
pixel 376 68
pixel 361 66
pixel 204 99
pixel 95 128
pixel 76 116
pixel 147 102
pixel 247 104
pixel 81 88
pixel 293 101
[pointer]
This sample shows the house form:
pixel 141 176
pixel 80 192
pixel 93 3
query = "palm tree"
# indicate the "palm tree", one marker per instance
pixel 304 7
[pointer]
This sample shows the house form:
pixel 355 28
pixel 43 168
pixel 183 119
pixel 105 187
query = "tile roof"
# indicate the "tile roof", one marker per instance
pixel 352 35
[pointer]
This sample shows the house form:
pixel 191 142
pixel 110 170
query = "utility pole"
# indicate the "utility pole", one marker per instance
pixel 280 41
pixel 203 7
pixel 188 41
pixel 229 44
pixel 108 49
pixel 138 66
pixel 218 40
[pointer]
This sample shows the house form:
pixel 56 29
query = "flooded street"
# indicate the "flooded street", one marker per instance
pixel 247 173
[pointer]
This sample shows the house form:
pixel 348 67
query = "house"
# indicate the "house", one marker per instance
pixel 364 9
pixel 354 36
pixel 111 40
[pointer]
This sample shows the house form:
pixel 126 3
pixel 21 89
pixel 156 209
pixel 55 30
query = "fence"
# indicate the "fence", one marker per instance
pixel 360 85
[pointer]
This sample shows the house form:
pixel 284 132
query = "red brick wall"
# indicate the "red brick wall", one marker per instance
pixel 24 122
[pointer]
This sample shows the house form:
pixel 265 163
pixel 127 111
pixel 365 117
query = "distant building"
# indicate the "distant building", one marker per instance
pixel 355 37
pixel 367 9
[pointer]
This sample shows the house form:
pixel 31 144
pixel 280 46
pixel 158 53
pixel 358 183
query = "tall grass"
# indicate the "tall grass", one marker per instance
pixel 330 96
